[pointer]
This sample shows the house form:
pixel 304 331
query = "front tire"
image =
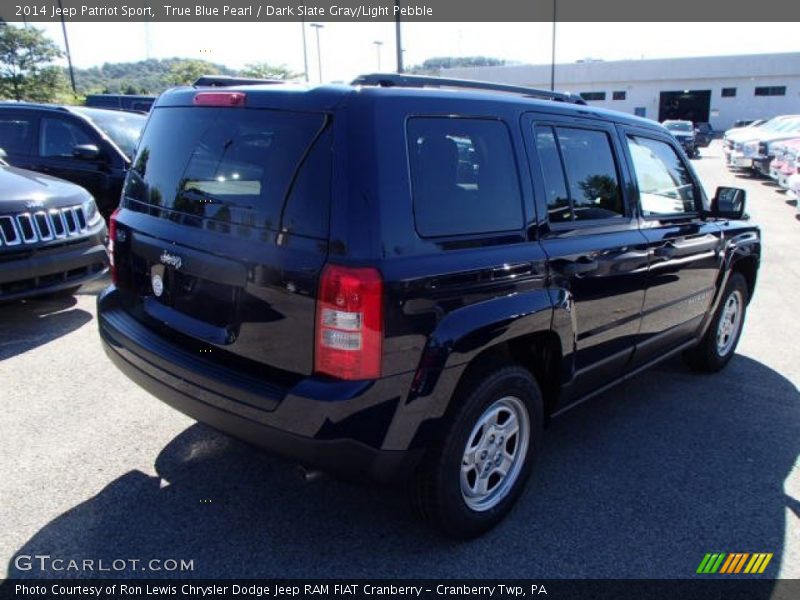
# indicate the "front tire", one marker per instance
pixel 719 343
pixel 470 480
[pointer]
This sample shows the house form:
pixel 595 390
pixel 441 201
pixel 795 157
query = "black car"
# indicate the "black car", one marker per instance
pixel 703 134
pixel 406 282
pixel 88 146
pixel 129 102
pixel 52 237
pixel 684 132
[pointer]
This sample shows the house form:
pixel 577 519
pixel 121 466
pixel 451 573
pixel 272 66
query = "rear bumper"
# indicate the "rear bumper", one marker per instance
pixel 48 270
pixel 353 428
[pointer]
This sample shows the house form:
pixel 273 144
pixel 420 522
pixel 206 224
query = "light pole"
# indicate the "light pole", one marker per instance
pixel 553 53
pixel 398 39
pixel 378 45
pixel 66 47
pixel 305 50
pixel 317 27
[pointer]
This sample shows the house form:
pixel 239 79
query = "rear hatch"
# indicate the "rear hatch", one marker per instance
pixel 223 230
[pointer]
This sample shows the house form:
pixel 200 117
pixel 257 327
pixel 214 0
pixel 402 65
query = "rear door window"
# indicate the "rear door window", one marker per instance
pixel 251 167
pixel 17 133
pixel 580 174
pixel 463 177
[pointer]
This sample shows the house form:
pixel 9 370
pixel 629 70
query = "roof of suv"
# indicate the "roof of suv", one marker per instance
pixel 54 107
pixel 330 96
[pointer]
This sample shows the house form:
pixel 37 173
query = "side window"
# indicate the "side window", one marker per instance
pixel 555 187
pixel 592 190
pixel 463 177
pixel 665 185
pixel 57 137
pixel 17 133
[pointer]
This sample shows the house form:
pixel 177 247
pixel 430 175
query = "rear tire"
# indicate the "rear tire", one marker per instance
pixel 471 479
pixel 719 343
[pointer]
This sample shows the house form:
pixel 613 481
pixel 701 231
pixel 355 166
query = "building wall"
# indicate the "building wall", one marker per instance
pixel 644 80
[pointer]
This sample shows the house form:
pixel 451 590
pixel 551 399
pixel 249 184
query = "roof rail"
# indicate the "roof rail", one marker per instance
pixel 400 80
pixel 227 80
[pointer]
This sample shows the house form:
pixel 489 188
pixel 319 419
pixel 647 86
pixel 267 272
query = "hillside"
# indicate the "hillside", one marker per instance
pixel 143 77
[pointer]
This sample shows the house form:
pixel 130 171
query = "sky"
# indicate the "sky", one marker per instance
pixel 348 49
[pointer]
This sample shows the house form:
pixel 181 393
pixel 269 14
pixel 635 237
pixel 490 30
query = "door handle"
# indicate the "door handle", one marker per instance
pixel 581 266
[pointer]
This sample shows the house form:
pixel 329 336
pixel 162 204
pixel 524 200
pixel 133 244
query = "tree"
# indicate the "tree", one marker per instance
pixel 438 63
pixel 25 57
pixel 186 72
pixel 264 70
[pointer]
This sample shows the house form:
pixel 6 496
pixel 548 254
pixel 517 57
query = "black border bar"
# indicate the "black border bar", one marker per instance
pixel 389 10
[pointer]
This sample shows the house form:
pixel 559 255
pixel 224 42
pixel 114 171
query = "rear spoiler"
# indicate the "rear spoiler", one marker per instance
pixel 226 80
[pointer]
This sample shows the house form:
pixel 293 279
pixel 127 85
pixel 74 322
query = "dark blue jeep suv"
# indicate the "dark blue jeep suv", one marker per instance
pixel 406 277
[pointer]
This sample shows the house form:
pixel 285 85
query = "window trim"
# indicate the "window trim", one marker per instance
pixel 629 214
pixel 698 193
pixel 466 237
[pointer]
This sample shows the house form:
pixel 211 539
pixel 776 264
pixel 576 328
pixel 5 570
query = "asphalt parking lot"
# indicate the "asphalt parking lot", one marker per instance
pixel 640 482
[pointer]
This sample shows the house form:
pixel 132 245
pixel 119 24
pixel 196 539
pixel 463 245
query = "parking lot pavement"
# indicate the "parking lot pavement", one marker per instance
pixel 640 482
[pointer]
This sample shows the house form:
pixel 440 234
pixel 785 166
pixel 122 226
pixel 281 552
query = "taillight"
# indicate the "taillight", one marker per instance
pixel 349 323
pixel 219 99
pixel 112 238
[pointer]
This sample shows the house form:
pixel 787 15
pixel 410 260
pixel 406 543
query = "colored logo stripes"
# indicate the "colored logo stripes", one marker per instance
pixel 735 562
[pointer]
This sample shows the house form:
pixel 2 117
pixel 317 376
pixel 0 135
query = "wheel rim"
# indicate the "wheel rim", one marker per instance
pixel 729 323
pixel 495 453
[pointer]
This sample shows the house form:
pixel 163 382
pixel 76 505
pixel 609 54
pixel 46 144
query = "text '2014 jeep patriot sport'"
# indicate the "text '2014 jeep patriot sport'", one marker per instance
pixel 405 277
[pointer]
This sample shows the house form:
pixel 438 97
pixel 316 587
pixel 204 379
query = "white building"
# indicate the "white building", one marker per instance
pixel 716 89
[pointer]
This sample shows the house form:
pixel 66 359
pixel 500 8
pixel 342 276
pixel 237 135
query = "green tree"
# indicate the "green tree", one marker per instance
pixel 185 72
pixel 433 65
pixel 264 70
pixel 25 57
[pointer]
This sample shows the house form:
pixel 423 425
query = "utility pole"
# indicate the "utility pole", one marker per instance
pixel 398 38
pixel 553 53
pixel 305 49
pixel 378 45
pixel 317 27
pixel 66 47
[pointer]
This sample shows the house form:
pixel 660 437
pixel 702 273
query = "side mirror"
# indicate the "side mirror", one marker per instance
pixel 86 151
pixel 728 203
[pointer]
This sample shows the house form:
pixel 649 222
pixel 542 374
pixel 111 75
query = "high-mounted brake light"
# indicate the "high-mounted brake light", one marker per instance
pixel 219 99
pixel 349 323
pixel 112 238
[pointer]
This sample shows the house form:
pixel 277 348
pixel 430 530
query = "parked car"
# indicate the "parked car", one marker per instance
pixel 741 123
pixel 313 270
pixel 703 133
pixel 52 237
pixel 782 164
pixel 120 102
pixel 751 147
pixel 792 180
pixel 88 146
pixel 684 133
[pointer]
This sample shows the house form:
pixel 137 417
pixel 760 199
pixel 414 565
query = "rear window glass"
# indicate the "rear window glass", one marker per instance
pixel 16 134
pixel 463 177
pixel 239 166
